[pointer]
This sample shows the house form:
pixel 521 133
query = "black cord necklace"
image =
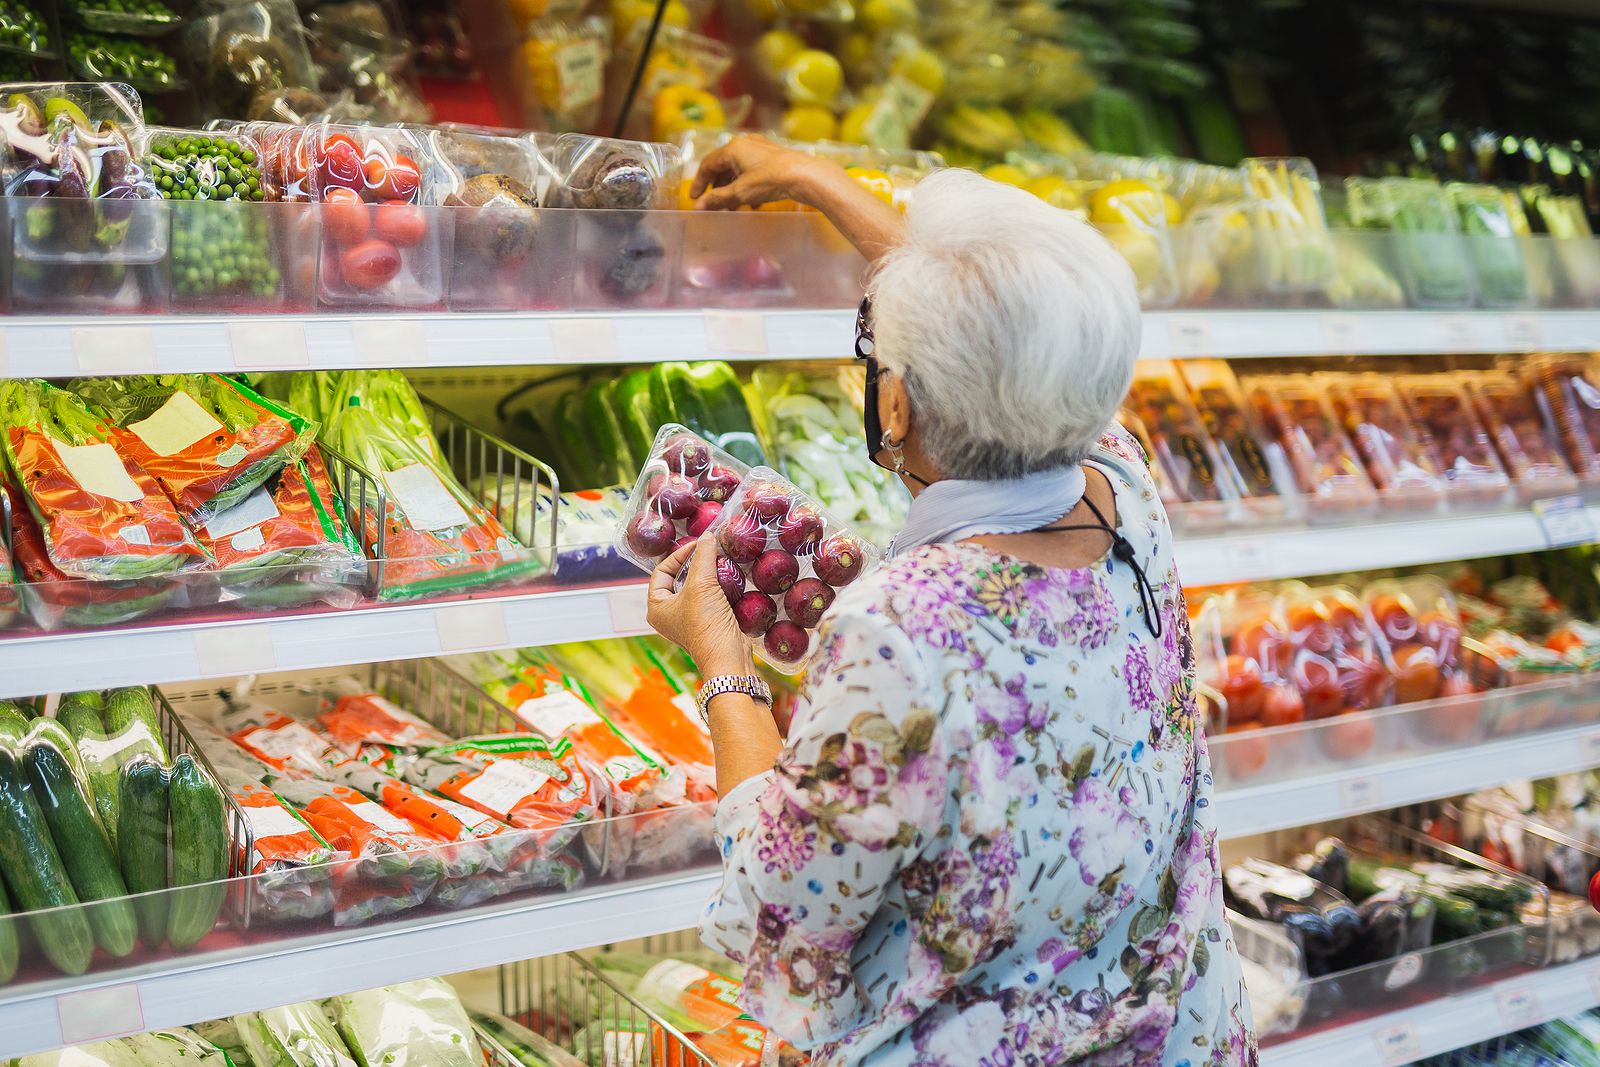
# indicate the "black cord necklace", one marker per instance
pixel 1121 549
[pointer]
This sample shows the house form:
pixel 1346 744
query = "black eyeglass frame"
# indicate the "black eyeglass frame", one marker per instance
pixel 864 340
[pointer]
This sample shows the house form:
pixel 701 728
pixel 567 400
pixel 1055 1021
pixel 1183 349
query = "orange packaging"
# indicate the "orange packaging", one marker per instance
pixel 359 723
pixel 351 823
pixel 282 840
pixel 1511 413
pixel 281 742
pixel 1324 462
pixel 544 701
pixel 531 783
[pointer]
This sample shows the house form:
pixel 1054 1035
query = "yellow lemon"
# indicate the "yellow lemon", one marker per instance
pixel 776 49
pixel 1141 250
pixel 1128 202
pixel 1005 173
pixel 808 122
pixel 813 77
pixel 1055 191
pixel 881 15
pixel 876 182
pixel 921 67
pixel 1174 209
pixel 855 54
pixel 853 127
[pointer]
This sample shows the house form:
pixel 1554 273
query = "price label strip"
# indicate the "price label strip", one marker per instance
pixel 471 627
pixel 97 1014
pixel 260 345
pixel 229 650
pixel 736 332
pixel 114 349
pixel 1398 1044
pixel 1360 794
pixel 1191 337
pixel 1519 1007
pixel 583 340
pixel 1564 521
pixel 1459 333
pixel 1342 334
pixel 628 611
pixel 1524 333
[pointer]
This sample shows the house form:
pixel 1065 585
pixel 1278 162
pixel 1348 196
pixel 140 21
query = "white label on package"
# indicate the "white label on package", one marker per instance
pixel 274 821
pixel 622 1048
pixel 135 535
pixel 176 425
pixel 427 504
pixel 504 784
pixel 250 540
pixel 253 510
pixel 671 977
pixel 382 817
pixel 471 818
pixel 98 469
pixel 686 703
pixel 556 713
pixel 580 67
pixel 285 740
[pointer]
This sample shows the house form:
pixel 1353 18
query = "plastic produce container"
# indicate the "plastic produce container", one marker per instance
pixel 681 491
pixel 1254 459
pixel 1294 411
pixel 1434 265
pixel 1455 441
pixel 1511 413
pixel 1372 413
pixel 1569 401
pixel 1189 458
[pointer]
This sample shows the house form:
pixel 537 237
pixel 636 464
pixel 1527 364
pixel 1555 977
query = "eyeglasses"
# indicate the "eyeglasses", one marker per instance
pixel 864 342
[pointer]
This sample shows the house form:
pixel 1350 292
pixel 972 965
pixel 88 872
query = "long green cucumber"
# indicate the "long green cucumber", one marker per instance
pixel 68 808
pixel 142 844
pixel 80 719
pixel 130 705
pixel 34 870
pixel 13 715
pixel 199 852
pixel 10 943
pixel 95 698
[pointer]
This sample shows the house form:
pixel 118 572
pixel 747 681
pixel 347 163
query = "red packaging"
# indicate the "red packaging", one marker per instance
pixel 1569 399
pixel 1370 409
pixel 1324 462
pixel 1511 414
pixel 1455 440
pixel 366 725
pixel 1245 655
pixel 280 741
pixel 1420 625
pixel 1254 458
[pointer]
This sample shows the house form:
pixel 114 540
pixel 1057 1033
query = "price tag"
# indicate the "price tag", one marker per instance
pixel 1342 334
pixel 263 345
pixel 114 349
pixel 1590 747
pixel 1398 1044
pixel 1524 333
pixel 628 611
pixel 1519 1006
pixel 96 1014
pixel 1564 521
pixel 1360 794
pixel 1191 337
pixel 1248 558
pixel 586 340
pixel 384 342
pixel 1459 333
pixel 471 627
pixel 736 332
pixel 229 650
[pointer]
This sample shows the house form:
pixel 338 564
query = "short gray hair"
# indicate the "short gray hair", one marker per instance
pixel 1014 324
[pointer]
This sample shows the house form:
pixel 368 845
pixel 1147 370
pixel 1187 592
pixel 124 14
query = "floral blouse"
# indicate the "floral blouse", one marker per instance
pixel 989 840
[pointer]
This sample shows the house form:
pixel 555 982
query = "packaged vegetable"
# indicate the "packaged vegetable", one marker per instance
pixel 1338 664
pixel 1293 410
pixel 706 398
pixel 585 522
pixel 1185 451
pixel 602 173
pixel 681 491
pixel 1417 212
pixel 495 242
pixel 1563 386
pixel 283 742
pixel 101 514
pixel 1252 459
pixel 1417 619
pixel 294 861
pixel 299 1035
pixel 1374 416
pixel 118 1053
pixel 1321 922
pixel 1511 413
pixel 179 1046
pixel 1455 440
pixel 370 727
pixel 1492 242
pixel 246 53
pixel 529 1048
pixel 108 739
pixel 561 77
pixel 144 66
pixel 415 1024
pixel 529 782
pixel 1243 651
pixel 208 440
pixel 1293 246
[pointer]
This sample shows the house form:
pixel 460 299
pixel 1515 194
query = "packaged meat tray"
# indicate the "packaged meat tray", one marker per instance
pixel 1292 409
pixel 1453 437
pixel 1183 449
pixel 1527 447
pixel 1372 413
pixel 1565 388
pixel 1255 461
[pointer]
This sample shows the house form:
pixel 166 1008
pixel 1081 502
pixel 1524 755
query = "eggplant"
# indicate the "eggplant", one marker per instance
pixel 1329 863
pixel 1320 920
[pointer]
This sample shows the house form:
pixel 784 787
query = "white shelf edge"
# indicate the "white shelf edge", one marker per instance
pixel 1451 1022
pixel 361 959
pixel 56 346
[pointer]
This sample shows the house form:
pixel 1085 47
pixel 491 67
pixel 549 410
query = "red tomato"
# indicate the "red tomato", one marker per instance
pixel 1441 633
pixel 1563 641
pixel 370 264
pixel 339 162
pixel 1395 618
pixel 1282 706
pixel 401 223
pixel 397 180
pixel 1260 640
pixel 1364 679
pixel 1244 751
pixel 1310 627
pixel 1319 687
pixel 1347 623
pixel 344 216
pixel 1241 687
pixel 1416 671
pixel 1350 735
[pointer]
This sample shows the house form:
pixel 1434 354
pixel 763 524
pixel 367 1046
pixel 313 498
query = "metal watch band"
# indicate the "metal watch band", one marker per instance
pixel 750 685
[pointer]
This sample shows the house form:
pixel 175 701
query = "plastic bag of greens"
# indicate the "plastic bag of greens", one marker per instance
pixel 117 1053
pixel 1426 233
pixel 300 1035
pixel 224 1033
pixel 101 514
pixel 415 1024
pixel 1492 241
pixel 529 1049
pixel 180 1047
pixel 207 439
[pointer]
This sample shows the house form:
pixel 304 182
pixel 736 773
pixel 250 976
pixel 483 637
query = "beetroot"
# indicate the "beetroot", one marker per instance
pixel 731 578
pixel 686 455
pixel 703 517
pixel 775 571
pixel 838 560
pixel 770 502
pixel 755 613
pixel 805 602
pixel 651 535
pixel 742 540
pixel 718 483
pixel 786 642
pixel 800 531
pixel 677 497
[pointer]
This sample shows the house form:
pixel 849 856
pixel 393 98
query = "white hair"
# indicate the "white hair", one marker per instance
pixel 1014 325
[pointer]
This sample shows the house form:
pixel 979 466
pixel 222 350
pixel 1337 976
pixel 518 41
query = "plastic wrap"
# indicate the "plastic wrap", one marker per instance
pixel 1511 414
pixel 360 48
pixel 1242 647
pixel 1418 622
pixel 1254 460
pixel 247 51
pixel 370 727
pixel 1338 664
pixel 615 175
pixel 108 739
pixel 782 559
pixel 1434 266
pixel 102 515
pixel 209 440
pixel 299 1035
pixel 286 744
pixel 298 863
pixel 1185 451
pixel 530 783
pixel 682 489
pixel 147 18
pixel 1293 247
pixel 1293 410
pixel 586 521
pixel 1569 400
pixel 415 1024
pixel 1455 441
pixel 1372 413
pixel 498 263
pixel 1492 242
pixel 117 1053
pixel 561 79
pixel 24 34
pixel 1321 922
pixel 179 1046
pixel 142 65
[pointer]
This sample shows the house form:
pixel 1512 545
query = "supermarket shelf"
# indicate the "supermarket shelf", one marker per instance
pixel 44 346
pixel 71 1011
pixel 1437 1026
pixel 189 650
pixel 1361 788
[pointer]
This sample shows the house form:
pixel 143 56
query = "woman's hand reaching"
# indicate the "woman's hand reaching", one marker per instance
pixel 697 618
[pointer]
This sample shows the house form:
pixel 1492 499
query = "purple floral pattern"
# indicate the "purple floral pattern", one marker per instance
pixel 990 838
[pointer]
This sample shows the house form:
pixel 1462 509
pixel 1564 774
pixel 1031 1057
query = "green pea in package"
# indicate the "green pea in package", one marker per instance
pixel 416 1024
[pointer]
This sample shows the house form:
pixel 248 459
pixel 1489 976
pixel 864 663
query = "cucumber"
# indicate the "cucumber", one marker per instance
pixel 56 775
pixel 12 715
pixel 10 948
pixel 34 871
pixel 80 719
pixel 95 698
pixel 142 844
pixel 124 707
pixel 200 850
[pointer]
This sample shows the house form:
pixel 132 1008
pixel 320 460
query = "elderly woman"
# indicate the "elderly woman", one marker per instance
pixel 988 838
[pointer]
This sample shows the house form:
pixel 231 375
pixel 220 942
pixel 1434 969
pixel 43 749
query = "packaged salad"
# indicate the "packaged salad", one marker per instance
pixel 299 1035
pixel 102 515
pixel 1372 413
pixel 208 440
pixel 291 747
pixel 529 782
pixel 415 1024
pixel 1510 412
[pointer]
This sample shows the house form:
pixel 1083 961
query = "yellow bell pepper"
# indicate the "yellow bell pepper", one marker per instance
pixel 681 108
pixel 875 181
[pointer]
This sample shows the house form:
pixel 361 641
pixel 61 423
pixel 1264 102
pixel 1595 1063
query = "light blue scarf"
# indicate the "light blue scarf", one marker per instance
pixel 953 510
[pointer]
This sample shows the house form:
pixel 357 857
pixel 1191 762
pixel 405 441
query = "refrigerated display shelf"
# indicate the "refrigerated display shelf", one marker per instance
pixel 54 347
pixel 1435 1026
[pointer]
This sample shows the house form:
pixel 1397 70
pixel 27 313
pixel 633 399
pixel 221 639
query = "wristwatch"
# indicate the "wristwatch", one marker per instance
pixel 750 685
